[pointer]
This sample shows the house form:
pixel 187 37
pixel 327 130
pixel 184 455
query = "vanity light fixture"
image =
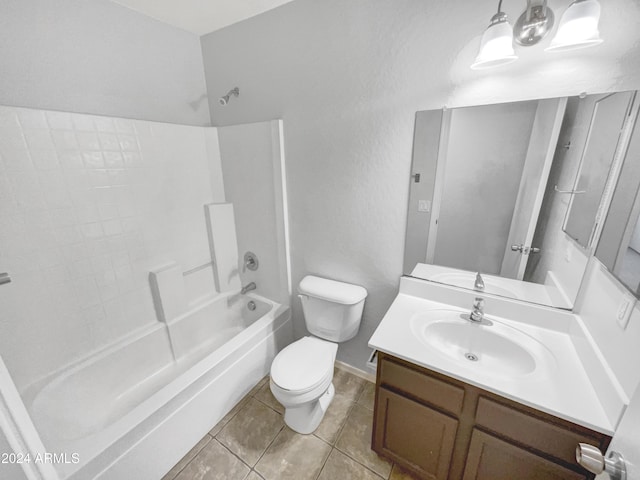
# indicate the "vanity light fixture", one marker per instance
pixel 578 29
pixel 496 47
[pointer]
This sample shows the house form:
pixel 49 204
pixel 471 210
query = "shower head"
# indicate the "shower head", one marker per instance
pixel 225 99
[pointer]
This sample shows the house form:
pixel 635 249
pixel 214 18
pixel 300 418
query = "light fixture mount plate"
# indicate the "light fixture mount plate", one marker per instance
pixel 533 25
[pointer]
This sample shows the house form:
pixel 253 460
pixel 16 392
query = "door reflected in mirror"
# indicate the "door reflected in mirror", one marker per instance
pixel 608 115
pixel 619 243
pixel 491 187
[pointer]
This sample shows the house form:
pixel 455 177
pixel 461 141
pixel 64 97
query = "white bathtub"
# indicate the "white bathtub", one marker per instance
pixel 133 410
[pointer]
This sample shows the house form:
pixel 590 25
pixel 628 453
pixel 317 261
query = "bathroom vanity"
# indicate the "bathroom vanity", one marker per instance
pixel 442 428
pixel 506 399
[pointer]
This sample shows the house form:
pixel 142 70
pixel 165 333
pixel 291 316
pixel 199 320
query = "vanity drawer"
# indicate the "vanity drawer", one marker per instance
pixel 548 438
pixel 436 392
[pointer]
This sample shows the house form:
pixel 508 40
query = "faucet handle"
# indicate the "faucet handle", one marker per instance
pixel 478 303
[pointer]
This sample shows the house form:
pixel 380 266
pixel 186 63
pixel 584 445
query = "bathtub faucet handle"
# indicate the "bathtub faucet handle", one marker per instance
pixel 251 262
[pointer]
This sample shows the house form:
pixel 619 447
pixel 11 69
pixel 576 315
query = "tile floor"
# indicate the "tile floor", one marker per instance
pixel 253 443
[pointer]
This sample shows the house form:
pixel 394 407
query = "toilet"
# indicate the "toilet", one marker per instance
pixel 302 373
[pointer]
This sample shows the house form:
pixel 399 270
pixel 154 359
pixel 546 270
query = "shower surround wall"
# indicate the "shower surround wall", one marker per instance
pixel 88 206
pixel 254 178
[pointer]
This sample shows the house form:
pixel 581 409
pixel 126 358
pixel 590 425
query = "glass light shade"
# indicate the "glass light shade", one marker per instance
pixel 578 27
pixel 496 47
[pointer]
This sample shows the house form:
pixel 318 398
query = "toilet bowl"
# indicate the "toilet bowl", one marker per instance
pixel 302 373
pixel 301 377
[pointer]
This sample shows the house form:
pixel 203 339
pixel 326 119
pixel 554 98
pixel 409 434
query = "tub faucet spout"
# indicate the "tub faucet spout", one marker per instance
pixel 248 288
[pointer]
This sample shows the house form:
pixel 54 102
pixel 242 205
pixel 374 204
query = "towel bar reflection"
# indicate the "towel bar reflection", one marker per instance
pixel 4 278
pixel 572 192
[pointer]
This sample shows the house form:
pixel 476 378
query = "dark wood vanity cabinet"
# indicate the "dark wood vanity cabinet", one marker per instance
pixel 440 428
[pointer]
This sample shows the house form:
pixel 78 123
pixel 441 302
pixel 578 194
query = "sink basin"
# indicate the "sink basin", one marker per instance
pixel 496 349
pixel 467 280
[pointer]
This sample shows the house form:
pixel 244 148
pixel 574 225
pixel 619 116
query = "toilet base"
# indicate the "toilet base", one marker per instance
pixel 305 418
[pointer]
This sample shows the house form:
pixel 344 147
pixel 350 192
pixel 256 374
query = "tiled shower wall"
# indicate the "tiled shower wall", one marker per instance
pixel 88 206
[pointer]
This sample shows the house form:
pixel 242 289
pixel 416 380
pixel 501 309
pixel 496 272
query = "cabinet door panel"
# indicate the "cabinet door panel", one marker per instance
pixel 493 459
pixel 554 440
pixel 416 436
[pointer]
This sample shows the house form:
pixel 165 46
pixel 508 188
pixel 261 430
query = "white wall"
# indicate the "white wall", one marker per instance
pixel 253 185
pixel 600 298
pixel 89 206
pixel 94 56
pixel 347 79
pixel 485 157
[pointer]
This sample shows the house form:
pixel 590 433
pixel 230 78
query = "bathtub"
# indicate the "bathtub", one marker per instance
pixel 134 409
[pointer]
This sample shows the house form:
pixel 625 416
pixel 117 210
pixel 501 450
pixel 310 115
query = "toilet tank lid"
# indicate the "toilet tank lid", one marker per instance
pixel 332 290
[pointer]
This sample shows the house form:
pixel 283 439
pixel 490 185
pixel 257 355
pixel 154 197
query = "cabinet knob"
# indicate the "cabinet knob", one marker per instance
pixel 592 459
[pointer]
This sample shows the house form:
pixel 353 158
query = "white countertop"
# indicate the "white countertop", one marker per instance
pixel 541 294
pixel 562 388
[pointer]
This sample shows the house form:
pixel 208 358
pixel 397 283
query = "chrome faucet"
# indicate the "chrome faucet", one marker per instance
pixel 477 314
pixel 479 285
pixel 248 288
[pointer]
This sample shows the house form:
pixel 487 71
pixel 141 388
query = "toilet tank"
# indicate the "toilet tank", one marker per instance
pixel 332 309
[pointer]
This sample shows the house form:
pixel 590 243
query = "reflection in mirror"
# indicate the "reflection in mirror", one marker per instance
pixel 490 188
pixel 608 114
pixel 619 244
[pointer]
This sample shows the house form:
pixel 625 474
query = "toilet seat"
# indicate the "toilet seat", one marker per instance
pixel 303 365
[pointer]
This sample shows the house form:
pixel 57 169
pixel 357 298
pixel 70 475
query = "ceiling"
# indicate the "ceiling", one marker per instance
pixel 201 16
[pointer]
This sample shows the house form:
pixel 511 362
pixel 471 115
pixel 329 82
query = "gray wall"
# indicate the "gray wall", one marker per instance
pixel 93 56
pixel 485 157
pixel 347 78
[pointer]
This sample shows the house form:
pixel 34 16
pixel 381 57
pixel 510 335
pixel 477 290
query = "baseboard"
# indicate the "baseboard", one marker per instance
pixel 356 371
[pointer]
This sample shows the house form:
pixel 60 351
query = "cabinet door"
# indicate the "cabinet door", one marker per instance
pixel 414 435
pixel 493 459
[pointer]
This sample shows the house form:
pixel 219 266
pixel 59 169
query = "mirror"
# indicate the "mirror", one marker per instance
pixel 608 114
pixel 494 190
pixel 619 242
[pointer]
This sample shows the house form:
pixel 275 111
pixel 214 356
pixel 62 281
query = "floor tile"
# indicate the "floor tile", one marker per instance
pixel 399 473
pixel 347 384
pixel 254 476
pixel 334 418
pixel 355 440
pixel 340 466
pixel 266 397
pixel 214 431
pixel 214 462
pixel 187 458
pixel 292 456
pixel 368 395
pixel 250 432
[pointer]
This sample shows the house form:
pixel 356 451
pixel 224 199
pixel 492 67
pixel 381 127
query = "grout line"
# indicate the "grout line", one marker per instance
pixel 267 449
pixel 324 463
pixel 194 457
pixel 232 453
pixel 245 400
